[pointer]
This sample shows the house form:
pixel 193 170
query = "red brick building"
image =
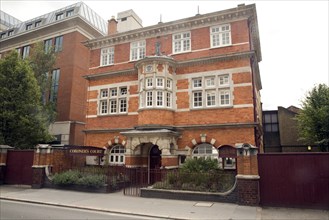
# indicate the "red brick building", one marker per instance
pixel 63 29
pixel 187 88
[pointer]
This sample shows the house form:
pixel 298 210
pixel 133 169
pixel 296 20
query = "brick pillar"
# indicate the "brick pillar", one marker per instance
pixel 247 178
pixel 3 162
pixel 42 160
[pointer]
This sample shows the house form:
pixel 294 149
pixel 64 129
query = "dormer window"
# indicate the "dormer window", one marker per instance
pixel 10 33
pixel 28 27
pixel 69 13
pixel 37 23
pixel 59 16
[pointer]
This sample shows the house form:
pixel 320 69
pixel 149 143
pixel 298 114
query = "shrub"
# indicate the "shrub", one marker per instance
pixel 66 178
pixel 198 175
pixel 75 177
pixel 200 165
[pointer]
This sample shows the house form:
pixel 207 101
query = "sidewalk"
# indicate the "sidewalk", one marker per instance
pixel 160 208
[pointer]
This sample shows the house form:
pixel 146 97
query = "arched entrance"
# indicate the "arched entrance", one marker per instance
pixel 154 164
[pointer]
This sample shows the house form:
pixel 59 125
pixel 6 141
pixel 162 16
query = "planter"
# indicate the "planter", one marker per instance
pixel 81 188
pixel 230 196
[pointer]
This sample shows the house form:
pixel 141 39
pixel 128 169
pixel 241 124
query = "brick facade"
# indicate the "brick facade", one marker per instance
pixel 179 127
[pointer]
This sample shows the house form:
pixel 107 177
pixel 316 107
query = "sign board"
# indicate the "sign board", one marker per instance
pixel 85 150
pixel 227 151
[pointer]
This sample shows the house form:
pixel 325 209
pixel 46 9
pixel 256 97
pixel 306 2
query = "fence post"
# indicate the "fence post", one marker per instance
pixel 42 159
pixel 248 177
pixel 3 162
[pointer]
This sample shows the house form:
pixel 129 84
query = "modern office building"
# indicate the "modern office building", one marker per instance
pixel 63 29
pixel 281 132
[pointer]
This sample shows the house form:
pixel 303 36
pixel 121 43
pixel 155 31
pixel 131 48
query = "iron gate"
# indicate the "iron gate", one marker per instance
pixel 138 178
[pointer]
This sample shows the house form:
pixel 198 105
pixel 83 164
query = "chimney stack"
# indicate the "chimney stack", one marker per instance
pixel 112 26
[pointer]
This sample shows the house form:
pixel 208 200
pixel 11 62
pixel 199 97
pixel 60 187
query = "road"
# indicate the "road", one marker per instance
pixel 21 210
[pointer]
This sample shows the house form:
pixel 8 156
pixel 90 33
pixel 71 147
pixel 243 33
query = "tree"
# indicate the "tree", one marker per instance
pixel 22 121
pixel 313 120
pixel 42 61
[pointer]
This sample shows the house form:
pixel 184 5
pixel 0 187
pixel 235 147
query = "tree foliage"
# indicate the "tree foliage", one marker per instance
pixel 313 120
pixel 23 124
pixel 42 64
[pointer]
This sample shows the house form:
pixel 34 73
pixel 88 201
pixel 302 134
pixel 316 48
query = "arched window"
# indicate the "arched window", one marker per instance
pixel 205 151
pixel 117 155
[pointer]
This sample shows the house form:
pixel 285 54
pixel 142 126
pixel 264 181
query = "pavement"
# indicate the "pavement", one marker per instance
pixel 149 207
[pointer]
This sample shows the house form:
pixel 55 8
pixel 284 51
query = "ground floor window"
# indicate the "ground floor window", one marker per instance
pixel 205 151
pixel 117 155
pixel 227 163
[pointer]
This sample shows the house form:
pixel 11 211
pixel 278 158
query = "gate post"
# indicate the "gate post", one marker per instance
pixel 248 177
pixel 42 159
pixel 3 162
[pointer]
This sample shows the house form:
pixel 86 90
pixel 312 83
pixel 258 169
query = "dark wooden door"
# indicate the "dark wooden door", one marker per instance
pixel 155 164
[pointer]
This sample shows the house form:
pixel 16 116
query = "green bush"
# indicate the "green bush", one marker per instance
pixel 198 175
pixel 200 165
pixel 66 178
pixel 75 177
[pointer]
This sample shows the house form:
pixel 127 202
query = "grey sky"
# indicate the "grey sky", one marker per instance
pixel 293 35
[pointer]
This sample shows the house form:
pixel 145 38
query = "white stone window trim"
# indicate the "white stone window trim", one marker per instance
pixel 137 50
pixel 181 40
pixel 107 56
pixel 200 147
pixel 219 34
pixel 113 102
pixel 204 89
pixel 149 82
pixel 160 81
pixel 146 89
pixel 160 98
pixel 117 152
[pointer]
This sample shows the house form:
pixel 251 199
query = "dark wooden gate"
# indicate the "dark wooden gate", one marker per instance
pixel 294 180
pixel 19 167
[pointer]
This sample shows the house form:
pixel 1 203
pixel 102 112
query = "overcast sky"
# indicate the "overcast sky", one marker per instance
pixel 293 36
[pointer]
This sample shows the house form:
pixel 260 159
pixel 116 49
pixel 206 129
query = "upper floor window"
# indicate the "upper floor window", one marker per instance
pixel 107 56
pixel 28 27
pixel 113 100
pixel 26 51
pixel 37 23
pixel 220 35
pixel 59 16
pixel 54 85
pixel 10 33
pixel 155 92
pixel 137 50
pixel 181 42
pixel 215 92
pixel 3 35
pixel 47 45
pixel 270 121
pixel 58 43
pixel 69 13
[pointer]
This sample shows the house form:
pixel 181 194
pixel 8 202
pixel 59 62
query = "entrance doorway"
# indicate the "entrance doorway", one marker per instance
pixel 154 164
